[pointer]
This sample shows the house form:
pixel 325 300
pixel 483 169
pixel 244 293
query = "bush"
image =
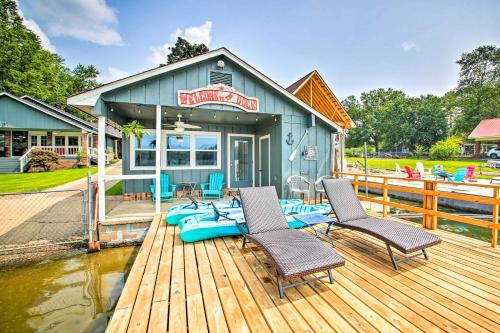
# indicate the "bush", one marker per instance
pixel 419 151
pixel 43 159
pixel 445 149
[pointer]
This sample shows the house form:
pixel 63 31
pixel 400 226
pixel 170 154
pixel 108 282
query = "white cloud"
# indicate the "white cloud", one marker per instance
pixel 195 34
pixel 408 45
pixel 88 20
pixel 33 26
pixel 112 74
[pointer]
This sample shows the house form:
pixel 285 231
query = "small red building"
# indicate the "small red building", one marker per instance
pixel 488 130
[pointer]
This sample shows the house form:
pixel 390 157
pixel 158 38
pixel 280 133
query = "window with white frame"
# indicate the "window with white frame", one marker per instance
pixel 144 152
pixel 180 150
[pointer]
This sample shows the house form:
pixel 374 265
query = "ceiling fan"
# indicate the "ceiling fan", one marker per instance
pixel 180 126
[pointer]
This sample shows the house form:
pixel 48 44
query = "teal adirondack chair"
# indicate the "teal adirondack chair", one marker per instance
pixel 165 194
pixel 459 176
pixel 213 189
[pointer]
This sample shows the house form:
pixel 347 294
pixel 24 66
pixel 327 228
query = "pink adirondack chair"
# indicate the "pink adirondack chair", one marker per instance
pixel 470 175
pixel 412 174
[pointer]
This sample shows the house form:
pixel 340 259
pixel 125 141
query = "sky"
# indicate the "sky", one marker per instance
pixel 355 45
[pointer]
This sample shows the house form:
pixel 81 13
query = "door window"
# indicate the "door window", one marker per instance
pixel 19 143
pixel 241 165
pixel 72 141
pixel 33 140
pixel 43 140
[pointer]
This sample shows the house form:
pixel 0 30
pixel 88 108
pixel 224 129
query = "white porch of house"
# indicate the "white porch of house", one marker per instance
pixel 102 160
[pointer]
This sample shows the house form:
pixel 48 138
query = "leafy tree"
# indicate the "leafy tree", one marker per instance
pixel 370 116
pixel 428 121
pixel 478 91
pixel 445 149
pixel 27 69
pixel 185 50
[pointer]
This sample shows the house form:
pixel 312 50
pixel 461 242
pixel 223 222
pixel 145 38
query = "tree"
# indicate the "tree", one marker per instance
pixel 27 69
pixel 478 90
pixel 369 115
pixel 185 50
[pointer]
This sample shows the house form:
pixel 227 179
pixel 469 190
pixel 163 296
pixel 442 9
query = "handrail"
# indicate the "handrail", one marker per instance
pixel 23 160
pixel 430 194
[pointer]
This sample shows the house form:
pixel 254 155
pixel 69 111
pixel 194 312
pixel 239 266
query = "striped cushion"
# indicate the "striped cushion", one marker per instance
pixel 296 253
pixel 262 209
pixel 344 201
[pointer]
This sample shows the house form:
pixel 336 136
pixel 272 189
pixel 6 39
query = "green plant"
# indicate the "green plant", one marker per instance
pixel 79 155
pixel 445 149
pixel 419 151
pixel 135 128
pixel 43 159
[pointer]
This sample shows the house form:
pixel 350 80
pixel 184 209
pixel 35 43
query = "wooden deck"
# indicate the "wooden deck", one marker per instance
pixel 214 286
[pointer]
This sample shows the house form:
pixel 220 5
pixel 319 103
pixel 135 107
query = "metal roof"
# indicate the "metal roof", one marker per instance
pixel 487 128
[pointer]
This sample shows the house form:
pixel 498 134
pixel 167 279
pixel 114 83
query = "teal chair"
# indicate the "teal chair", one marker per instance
pixel 213 189
pixel 165 194
pixel 459 176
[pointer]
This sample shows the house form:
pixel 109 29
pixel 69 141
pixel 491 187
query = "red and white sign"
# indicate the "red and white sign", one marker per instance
pixel 217 94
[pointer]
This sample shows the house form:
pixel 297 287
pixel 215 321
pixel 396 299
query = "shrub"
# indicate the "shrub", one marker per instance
pixel 42 159
pixel 419 151
pixel 445 149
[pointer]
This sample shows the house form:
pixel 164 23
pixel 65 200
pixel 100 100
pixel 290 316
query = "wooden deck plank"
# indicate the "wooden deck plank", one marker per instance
pixel 450 305
pixel 177 319
pixel 271 314
pixel 232 311
pixel 159 310
pixel 216 321
pixel 197 321
pixel 214 286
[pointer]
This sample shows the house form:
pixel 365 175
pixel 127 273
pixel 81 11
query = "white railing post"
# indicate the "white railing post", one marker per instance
pixel 158 157
pixel 101 165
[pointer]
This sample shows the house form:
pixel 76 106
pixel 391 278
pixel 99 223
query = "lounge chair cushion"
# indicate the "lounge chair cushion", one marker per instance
pixel 262 209
pixel 344 201
pixel 296 253
pixel 406 238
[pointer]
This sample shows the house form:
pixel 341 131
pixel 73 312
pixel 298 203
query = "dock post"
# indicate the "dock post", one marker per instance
pixel 430 202
pixel 494 231
pixel 386 196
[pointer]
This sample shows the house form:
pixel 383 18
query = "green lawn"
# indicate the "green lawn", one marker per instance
pixel 115 189
pixel 37 181
pixel 449 166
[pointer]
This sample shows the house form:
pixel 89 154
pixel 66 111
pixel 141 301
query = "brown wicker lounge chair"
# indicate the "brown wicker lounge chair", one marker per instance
pixel 350 214
pixel 293 252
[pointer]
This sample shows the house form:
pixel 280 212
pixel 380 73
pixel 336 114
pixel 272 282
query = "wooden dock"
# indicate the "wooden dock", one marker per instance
pixel 214 286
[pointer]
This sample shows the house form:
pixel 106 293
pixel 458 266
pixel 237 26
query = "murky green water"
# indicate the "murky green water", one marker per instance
pixel 74 294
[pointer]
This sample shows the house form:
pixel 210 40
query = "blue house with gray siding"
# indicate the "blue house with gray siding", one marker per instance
pixel 247 125
pixel 27 123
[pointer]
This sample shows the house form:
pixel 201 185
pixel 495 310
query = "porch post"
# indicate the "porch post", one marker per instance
pixel 158 157
pixel 101 164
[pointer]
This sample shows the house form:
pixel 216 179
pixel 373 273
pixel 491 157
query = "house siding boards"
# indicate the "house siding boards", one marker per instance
pixel 163 89
pixel 21 116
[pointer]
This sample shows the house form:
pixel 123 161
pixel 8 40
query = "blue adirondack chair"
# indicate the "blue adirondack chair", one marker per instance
pixel 213 189
pixel 166 189
pixel 459 176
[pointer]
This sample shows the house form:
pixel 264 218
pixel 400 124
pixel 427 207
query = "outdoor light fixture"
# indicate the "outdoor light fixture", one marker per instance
pixel 237 117
pixel 220 64
pixel 111 109
pixel 256 118
pixel 215 116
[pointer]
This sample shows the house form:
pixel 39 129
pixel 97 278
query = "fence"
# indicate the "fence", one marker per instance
pixel 430 194
pixel 34 221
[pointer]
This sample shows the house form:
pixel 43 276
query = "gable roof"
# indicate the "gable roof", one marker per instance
pixel 85 101
pixel 312 89
pixel 61 115
pixel 110 130
pixel 487 128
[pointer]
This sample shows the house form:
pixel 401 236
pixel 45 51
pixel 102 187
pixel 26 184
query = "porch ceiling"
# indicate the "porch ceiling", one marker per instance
pixel 147 113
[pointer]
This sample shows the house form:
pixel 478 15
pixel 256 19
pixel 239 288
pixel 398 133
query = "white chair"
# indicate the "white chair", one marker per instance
pixel 420 168
pixel 298 185
pixel 318 187
pixel 399 172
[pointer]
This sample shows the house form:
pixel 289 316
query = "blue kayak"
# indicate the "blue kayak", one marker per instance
pixel 178 212
pixel 212 225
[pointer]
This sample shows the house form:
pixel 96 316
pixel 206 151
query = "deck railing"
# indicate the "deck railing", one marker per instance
pixel 430 194
pixel 61 150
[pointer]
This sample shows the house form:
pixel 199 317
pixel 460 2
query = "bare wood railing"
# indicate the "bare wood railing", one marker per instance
pixel 430 194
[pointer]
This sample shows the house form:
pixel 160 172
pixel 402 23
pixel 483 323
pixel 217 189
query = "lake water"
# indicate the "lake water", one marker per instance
pixel 73 294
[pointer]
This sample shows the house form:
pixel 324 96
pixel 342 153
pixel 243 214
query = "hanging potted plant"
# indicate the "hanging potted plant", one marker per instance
pixel 135 128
